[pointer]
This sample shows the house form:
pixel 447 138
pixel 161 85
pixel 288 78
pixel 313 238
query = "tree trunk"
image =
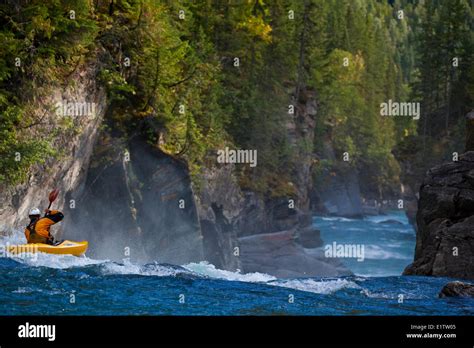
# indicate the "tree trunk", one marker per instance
pixel 470 131
pixel 301 53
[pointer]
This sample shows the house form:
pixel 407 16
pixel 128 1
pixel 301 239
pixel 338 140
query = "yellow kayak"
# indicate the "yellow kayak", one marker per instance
pixel 66 247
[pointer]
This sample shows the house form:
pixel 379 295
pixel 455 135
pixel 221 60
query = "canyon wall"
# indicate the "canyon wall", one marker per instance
pixel 132 201
pixel 75 143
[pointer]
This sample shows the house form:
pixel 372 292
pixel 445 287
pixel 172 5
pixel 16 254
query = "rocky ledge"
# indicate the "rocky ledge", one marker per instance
pixel 289 254
pixel 445 219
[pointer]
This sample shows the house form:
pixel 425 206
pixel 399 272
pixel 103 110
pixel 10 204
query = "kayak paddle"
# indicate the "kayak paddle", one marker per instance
pixel 52 197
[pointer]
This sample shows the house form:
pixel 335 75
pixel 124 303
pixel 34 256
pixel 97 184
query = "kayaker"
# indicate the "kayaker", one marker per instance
pixel 37 230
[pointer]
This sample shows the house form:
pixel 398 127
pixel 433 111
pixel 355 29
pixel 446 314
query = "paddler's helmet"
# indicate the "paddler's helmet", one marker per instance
pixel 34 212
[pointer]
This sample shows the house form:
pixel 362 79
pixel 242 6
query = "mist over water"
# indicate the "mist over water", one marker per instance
pixel 129 208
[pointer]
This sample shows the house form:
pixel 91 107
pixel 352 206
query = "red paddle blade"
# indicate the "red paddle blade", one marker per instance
pixel 53 195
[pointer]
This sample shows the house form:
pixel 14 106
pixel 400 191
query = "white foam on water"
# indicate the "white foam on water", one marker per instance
pixel 14 238
pixel 202 269
pixel 55 261
pixel 336 218
pixel 360 278
pixel 209 270
pixel 392 244
pixel 375 252
pixel 128 268
pixel 21 290
pixel 107 267
pixel 376 274
pixel 317 286
pixel 27 290
pixel 380 218
pixel 326 286
pixel 388 296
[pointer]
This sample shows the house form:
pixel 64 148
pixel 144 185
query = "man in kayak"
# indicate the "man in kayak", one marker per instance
pixel 37 230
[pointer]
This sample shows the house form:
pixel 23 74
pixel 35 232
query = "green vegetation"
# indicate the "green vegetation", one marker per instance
pixel 40 46
pixel 194 76
pixel 442 81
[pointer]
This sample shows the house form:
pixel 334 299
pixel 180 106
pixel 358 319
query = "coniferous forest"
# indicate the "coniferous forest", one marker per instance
pixel 236 66
pixel 238 157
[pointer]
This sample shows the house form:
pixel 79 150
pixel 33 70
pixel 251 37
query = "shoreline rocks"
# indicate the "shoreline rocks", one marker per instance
pixel 457 289
pixel 445 219
pixel 281 255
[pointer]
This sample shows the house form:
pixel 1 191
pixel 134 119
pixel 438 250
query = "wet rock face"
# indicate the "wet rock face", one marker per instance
pixel 219 203
pixel 67 172
pixel 445 219
pixel 342 196
pixel 141 208
pixel 457 289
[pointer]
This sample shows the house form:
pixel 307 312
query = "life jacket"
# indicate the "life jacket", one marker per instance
pixel 31 235
pixel 37 231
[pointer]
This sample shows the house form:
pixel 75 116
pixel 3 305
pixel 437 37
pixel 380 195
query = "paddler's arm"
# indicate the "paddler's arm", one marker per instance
pixel 54 215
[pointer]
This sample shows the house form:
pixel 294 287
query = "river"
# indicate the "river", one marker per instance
pixel 67 285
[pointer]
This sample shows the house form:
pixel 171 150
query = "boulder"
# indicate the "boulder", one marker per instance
pixel 280 254
pixel 309 237
pixel 391 222
pixel 457 289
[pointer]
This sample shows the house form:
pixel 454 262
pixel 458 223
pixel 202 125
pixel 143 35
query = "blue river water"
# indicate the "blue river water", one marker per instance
pixel 67 285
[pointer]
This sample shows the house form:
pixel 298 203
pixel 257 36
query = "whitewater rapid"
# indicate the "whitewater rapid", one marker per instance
pixel 201 269
pixel 126 287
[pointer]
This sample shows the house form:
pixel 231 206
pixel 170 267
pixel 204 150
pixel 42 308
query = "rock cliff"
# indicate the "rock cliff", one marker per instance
pixel 137 204
pixel 74 142
pixel 246 231
pixel 131 200
pixel 445 219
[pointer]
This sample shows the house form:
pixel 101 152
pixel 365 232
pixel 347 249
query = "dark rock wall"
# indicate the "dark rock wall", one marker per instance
pixel 132 200
pixel 445 219
pixel 342 195
pixel 219 203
